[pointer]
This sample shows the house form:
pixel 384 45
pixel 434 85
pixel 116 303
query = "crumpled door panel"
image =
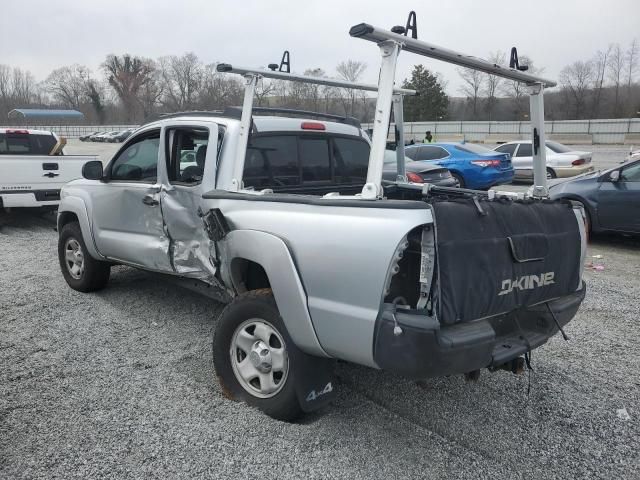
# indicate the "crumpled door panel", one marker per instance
pixel 191 253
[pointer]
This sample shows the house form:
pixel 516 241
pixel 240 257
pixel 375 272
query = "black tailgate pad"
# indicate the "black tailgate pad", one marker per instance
pixel 495 256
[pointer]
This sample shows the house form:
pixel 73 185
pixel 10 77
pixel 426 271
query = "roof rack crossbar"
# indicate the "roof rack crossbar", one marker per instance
pixel 390 44
pixel 425 49
pixel 331 82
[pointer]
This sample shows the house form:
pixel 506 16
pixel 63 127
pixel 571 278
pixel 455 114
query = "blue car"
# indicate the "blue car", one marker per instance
pixel 472 165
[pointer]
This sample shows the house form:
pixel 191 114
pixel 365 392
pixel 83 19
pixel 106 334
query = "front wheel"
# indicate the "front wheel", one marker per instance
pixel 550 174
pixel 81 271
pixel 252 355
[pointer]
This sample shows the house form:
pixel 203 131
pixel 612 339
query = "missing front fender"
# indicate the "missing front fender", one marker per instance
pixel 215 224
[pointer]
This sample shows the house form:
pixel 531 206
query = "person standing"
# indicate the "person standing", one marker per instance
pixel 428 138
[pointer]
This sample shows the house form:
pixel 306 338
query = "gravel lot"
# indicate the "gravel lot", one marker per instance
pixel 119 384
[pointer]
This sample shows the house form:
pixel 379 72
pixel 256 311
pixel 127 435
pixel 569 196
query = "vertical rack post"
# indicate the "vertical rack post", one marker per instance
pixel 245 129
pixel 389 51
pixel 539 148
pixel 398 116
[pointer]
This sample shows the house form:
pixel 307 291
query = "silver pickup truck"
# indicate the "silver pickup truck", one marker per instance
pixel 413 279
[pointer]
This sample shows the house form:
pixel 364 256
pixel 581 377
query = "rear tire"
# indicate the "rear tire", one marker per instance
pixel 81 271
pixel 252 355
pixel 550 174
pixel 459 179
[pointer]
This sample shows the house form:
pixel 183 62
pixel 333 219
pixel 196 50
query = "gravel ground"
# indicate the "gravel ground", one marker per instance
pixel 119 384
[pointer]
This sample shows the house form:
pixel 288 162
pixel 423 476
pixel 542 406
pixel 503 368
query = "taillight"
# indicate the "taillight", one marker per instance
pixel 18 132
pixel 312 126
pixel 579 161
pixel 486 163
pixel 414 178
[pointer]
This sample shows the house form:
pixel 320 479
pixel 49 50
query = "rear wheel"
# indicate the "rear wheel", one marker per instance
pixel 81 271
pixel 459 179
pixel 252 355
pixel 550 174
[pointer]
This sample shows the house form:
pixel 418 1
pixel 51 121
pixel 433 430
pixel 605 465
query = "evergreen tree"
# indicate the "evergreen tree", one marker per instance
pixel 430 103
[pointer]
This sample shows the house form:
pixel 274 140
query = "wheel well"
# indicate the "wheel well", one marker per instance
pixel 587 207
pixel 66 217
pixel 248 275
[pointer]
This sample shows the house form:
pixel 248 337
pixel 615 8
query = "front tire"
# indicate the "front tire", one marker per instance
pixel 253 355
pixel 550 174
pixel 81 271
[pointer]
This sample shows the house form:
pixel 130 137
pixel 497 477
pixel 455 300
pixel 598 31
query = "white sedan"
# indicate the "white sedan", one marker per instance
pixel 562 161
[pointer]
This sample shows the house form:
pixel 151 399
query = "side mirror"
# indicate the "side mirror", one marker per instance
pixel 614 176
pixel 92 170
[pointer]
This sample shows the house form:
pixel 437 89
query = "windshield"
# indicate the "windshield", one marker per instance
pixel 390 157
pixel 558 147
pixel 473 148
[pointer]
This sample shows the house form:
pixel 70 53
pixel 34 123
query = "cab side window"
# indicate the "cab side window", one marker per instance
pixel 524 150
pixel 431 153
pixel 507 148
pixel 187 154
pixel 138 162
pixel 631 173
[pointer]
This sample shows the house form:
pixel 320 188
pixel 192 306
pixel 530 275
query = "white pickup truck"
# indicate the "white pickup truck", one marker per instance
pixel 33 168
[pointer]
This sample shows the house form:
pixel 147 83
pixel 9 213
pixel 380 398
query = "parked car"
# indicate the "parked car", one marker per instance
pixel 562 161
pixel 33 168
pixel 84 138
pixel 122 136
pixel 472 165
pixel 96 136
pixel 110 137
pixel 417 172
pixel 611 198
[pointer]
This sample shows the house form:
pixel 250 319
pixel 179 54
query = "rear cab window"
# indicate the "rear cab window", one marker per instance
pixel 26 143
pixel 291 161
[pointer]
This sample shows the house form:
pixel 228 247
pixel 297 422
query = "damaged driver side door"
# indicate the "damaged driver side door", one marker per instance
pixel 188 150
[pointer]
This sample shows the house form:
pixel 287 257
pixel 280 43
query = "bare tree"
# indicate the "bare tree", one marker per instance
pixel 616 67
pixel 68 85
pixel 352 71
pixel 517 91
pixel 600 62
pixel 127 75
pixel 23 86
pixel 492 83
pixel 219 90
pixel 472 81
pixel 575 80
pixel 182 79
pixel 631 58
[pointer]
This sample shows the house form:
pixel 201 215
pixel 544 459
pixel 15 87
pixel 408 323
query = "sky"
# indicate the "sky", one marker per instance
pixel 40 35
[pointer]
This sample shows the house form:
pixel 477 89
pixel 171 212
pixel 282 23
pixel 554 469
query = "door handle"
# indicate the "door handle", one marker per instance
pixel 149 200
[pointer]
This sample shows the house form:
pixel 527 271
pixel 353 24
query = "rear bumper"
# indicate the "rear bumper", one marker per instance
pixel 427 349
pixel 33 198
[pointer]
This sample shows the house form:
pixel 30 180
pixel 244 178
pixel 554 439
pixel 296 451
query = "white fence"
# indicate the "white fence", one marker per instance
pixel 566 131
